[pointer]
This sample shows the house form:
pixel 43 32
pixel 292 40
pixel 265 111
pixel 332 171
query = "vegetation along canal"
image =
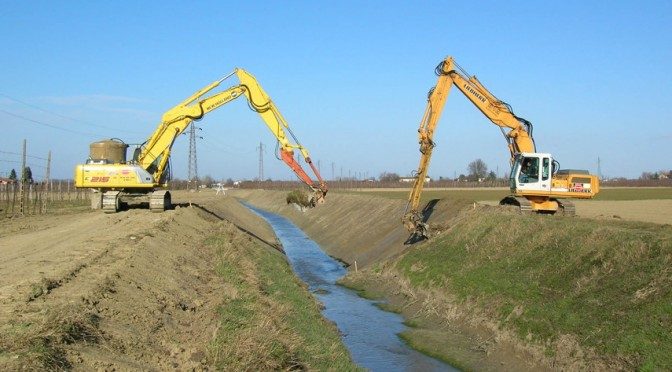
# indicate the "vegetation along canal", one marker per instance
pixel 369 333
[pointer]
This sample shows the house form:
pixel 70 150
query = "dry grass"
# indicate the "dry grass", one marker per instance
pixel 39 346
pixel 270 321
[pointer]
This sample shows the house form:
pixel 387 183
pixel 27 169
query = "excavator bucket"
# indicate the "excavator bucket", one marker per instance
pixel 413 222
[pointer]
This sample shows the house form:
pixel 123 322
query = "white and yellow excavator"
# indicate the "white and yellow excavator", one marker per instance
pixel 536 181
pixel 146 176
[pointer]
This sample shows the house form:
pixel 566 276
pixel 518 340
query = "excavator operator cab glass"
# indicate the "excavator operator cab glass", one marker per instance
pixel 529 170
pixel 513 175
pixel 545 169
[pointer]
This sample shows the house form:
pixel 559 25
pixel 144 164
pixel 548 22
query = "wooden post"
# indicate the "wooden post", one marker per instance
pixel 45 185
pixel 22 185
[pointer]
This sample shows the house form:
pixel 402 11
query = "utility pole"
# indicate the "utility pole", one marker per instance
pixel 333 174
pixel 261 161
pixel 45 185
pixel 22 184
pixel 193 162
pixel 599 169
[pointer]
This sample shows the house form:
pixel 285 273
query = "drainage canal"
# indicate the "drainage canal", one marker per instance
pixel 369 333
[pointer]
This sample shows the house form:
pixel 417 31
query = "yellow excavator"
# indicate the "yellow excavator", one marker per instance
pixel 145 177
pixel 536 181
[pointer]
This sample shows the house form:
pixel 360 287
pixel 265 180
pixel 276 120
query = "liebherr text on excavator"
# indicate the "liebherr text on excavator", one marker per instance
pixel 146 176
pixel 537 184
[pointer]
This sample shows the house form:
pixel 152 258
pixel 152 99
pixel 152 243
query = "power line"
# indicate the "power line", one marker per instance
pixel 16 153
pixel 65 117
pixel 228 149
pixel 19 162
pixel 47 124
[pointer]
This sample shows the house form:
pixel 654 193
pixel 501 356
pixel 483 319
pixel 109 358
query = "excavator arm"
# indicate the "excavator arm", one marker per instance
pixel 519 137
pixel 260 102
pixel 155 153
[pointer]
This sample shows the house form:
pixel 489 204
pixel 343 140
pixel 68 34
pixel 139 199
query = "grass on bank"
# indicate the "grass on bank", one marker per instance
pixel 607 283
pixel 269 321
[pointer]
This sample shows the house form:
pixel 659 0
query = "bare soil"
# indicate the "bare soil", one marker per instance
pixel 132 290
pixel 655 210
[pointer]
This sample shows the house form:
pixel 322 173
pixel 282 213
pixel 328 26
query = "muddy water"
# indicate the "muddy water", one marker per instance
pixel 368 332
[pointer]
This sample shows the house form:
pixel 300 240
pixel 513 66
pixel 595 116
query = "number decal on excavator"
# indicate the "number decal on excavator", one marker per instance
pixel 100 179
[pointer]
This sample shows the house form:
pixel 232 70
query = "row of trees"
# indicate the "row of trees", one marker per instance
pixel 27 175
pixel 656 175
pixel 478 171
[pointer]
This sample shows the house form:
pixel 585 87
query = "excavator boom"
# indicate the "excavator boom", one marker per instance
pixel 260 102
pixel 149 166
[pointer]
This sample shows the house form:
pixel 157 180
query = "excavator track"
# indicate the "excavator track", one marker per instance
pixel 567 208
pixel 523 204
pixel 111 201
pixel 159 201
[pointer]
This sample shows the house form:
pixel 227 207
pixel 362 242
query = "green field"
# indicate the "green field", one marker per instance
pixel 485 194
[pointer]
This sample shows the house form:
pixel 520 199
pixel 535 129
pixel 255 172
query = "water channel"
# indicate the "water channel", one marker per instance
pixel 369 333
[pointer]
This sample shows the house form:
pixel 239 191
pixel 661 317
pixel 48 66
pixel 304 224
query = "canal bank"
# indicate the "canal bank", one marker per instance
pixel 369 333
pixel 513 291
pixel 366 231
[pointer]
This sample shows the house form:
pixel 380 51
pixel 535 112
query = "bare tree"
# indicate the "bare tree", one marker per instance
pixel 207 181
pixel 647 176
pixel 389 177
pixel 477 169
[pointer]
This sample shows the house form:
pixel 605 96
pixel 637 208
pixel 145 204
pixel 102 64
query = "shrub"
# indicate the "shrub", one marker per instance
pixel 299 197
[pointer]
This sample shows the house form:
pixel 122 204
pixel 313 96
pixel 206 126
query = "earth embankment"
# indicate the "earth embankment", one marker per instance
pixel 204 286
pixel 496 289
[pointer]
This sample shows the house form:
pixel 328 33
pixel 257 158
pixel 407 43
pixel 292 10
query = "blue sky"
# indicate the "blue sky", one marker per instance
pixel 350 77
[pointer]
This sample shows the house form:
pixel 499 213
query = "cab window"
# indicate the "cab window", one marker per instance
pixel 545 169
pixel 529 171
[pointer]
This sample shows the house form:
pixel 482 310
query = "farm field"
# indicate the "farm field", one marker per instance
pixel 646 204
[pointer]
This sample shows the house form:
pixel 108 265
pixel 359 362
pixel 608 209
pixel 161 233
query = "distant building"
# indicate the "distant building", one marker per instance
pixel 412 179
pixel 6 181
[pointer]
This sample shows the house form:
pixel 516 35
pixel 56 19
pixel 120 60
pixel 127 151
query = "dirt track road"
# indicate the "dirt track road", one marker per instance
pixel 131 290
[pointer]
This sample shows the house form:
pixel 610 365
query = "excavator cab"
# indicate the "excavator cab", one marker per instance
pixel 531 172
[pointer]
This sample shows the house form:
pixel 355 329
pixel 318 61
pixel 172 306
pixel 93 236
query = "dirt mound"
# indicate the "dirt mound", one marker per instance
pixel 131 282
